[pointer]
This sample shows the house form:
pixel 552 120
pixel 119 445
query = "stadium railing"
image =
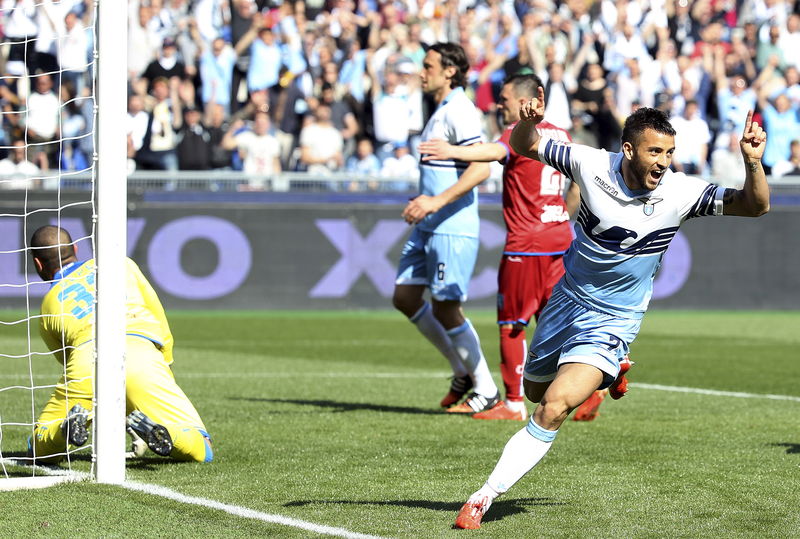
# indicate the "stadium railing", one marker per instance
pixel 231 180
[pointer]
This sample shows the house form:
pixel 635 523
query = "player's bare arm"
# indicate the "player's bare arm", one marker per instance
pixel 573 199
pixel 524 138
pixel 753 199
pixel 423 205
pixel 441 150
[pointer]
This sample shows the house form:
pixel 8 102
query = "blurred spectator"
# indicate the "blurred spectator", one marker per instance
pixel 217 126
pixel 401 167
pixel 42 117
pixel 783 126
pixel 137 123
pixel 258 149
pixel 588 99
pixel 683 28
pixel 691 141
pixel 16 172
pixel 770 48
pixel 194 142
pixel 342 117
pixel 50 17
pixel 727 165
pixel 790 39
pixel 73 128
pixel 734 99
pixel 167 65
pixel 158 146
pixel 216 73
pixel 144 39
pixel 73 50
pixel 265 56
pixel 791 166
pixel 391 113
pixel 242 15
pixel 558 89
pixel 321 144
pixel 364 161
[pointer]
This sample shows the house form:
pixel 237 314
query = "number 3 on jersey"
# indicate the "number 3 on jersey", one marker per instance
pixel 440 271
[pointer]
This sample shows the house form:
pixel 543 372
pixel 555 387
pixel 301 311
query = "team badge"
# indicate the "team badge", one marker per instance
pixel 649 205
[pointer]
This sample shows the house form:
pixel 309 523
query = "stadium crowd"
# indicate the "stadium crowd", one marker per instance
pixel 326 86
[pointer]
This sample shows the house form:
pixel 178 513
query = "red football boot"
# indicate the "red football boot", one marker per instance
pixel 469 518
pixel 618 389
pixel 459 385
pixel 590 407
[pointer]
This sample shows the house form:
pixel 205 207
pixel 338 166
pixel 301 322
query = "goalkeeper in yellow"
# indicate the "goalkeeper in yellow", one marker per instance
pixel 160 415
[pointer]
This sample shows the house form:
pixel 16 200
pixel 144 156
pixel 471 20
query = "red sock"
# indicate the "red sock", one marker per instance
pixel 512 353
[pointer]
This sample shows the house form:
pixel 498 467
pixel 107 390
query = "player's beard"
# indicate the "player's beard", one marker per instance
pixel 642 174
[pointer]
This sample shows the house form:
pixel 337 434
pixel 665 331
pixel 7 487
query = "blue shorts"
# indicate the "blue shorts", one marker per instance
pixel 442 262
pixel 570 332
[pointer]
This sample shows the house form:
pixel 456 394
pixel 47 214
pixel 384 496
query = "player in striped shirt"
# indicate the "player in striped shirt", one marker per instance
pixel 441 251
pixel 537 224
pixel 631 206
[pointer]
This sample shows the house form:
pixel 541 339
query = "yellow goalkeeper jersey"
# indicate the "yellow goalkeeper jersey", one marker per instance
pixel 68 310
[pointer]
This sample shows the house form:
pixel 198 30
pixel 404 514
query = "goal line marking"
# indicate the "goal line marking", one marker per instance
pixel 51 476
pixel 244 512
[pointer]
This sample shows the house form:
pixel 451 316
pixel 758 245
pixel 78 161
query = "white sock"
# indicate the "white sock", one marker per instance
pixel 468 345
pixel 522 452
pixel 515 406
pixel 433 330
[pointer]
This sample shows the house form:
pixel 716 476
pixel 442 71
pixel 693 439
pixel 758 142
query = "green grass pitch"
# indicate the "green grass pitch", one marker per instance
pixel 332 418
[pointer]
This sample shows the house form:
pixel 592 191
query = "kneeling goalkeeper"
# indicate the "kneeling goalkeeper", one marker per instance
pixel 159 413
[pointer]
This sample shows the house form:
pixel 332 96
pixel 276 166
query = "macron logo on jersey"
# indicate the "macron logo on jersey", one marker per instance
pixel 605 186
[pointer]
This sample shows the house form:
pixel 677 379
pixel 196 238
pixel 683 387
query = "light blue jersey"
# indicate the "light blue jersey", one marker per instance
pixel 595 311
pixel 457 121
pixel 621 235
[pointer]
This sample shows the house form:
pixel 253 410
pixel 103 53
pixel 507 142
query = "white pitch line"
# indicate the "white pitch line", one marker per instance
pixel 716 393
pixel 244 512
pixel 51 476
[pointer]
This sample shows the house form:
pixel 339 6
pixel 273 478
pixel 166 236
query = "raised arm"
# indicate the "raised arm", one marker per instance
pixel 524 137
pixel 424 205
pixel 752 200
pixel 441 150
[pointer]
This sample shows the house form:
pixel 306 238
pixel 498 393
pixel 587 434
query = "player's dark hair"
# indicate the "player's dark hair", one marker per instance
pixel 524 84
pixel 646 118
pixel 52 245
pixel 453 54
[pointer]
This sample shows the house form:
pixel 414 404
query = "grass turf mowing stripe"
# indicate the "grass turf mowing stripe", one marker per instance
pixel 243 511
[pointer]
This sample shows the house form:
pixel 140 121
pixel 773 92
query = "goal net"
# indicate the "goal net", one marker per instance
pixel 62 163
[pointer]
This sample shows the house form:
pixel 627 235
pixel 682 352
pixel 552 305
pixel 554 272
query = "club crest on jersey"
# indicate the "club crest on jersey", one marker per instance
pixel 649 205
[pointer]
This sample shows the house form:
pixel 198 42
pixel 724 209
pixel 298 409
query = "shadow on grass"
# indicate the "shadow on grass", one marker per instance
pixel 150 463
pixel 791 449
pixel 499 509
pixel 339 407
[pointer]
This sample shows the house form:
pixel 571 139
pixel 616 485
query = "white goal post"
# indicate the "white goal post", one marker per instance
pixel 111 194
pixel 21 392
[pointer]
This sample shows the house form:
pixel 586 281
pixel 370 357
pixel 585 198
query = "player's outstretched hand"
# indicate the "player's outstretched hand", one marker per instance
pixel 435 150
pixel 420 207
pixel 754 138
pixel 533 110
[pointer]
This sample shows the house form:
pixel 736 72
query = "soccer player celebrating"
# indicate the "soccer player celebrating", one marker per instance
pixel 537 224
pixel 441 251
pixel 160 415
pixel 631 206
